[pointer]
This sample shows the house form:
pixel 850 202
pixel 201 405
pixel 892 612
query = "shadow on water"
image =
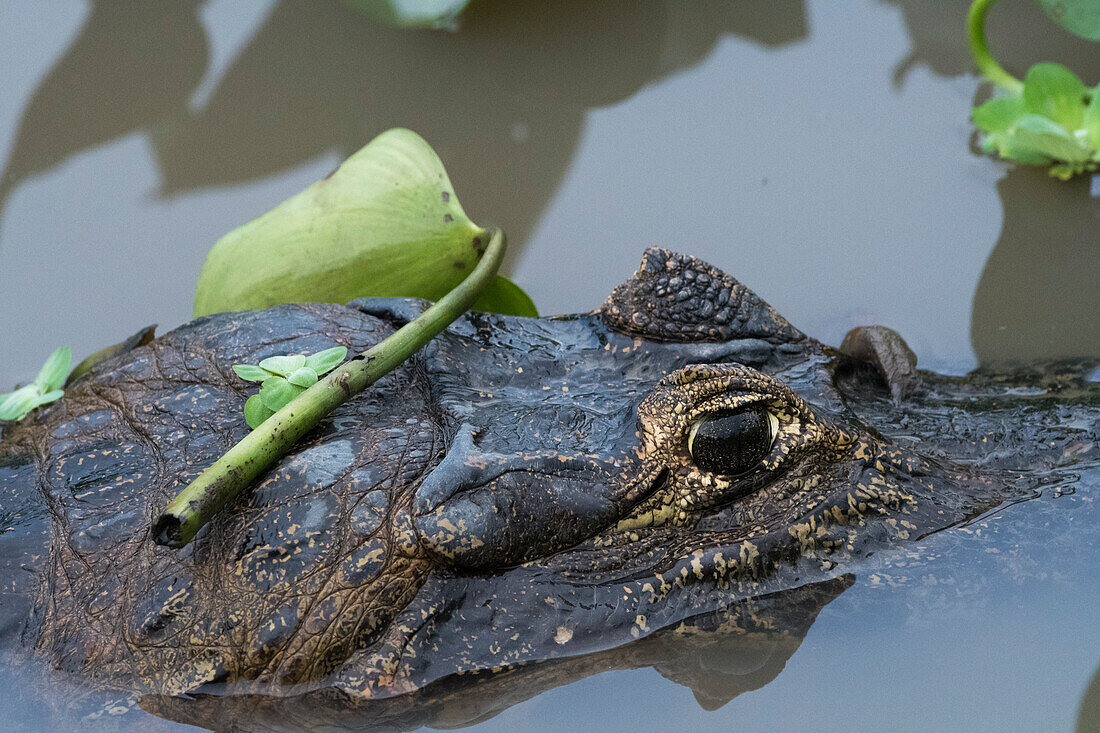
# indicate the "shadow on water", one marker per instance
pixel 718 656
pixel 133 64
pixel 1036 298
pixel 503 100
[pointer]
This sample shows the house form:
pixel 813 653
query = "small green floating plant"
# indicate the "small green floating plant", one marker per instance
pixel 46 387
pixel 1050 118
pixel 283 378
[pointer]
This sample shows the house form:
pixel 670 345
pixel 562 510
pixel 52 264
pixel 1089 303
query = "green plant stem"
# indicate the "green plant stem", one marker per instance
pixel 979 49
pixel 215 487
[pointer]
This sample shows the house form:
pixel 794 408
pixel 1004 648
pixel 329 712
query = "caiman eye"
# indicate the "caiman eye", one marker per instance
pixel 732 442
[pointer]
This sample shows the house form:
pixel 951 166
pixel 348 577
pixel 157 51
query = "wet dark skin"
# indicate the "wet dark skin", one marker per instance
pixel 521 495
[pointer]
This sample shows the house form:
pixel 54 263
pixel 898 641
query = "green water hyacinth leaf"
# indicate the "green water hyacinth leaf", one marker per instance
pixel 1080 17
pixel 387 222
pixel 45 388
pixel 504 296
pixel 325 361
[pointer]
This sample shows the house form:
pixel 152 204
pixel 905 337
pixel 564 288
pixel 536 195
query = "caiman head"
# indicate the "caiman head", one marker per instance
pixel 522 490
pixel 685 408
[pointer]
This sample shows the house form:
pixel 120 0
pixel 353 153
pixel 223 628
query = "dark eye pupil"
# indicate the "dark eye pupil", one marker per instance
pixel 732 443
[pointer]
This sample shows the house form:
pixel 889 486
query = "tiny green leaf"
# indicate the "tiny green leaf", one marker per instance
pixel 999 114
pixel 15 405
pixel 1011 149
pixel 1047 138
pixel 45 388
pixel 251 372
pixel 52 374
pixel 255 411
pixel 304 377
pixel 325 361
pixel 277 392
pixel 1055 92
pixel 284 378
pixel 1090 121
pixel 283 365
pixel 51 396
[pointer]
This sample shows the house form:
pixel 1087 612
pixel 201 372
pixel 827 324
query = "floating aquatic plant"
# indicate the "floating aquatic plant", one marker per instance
pixel 46 387
pixel 283 378
pixel 1050 118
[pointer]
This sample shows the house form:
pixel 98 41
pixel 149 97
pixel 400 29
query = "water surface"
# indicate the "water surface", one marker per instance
pixel 819 151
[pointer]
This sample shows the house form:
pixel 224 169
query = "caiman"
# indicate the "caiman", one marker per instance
pixel 521 496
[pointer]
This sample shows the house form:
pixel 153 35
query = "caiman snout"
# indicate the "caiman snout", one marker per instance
pixel 479 508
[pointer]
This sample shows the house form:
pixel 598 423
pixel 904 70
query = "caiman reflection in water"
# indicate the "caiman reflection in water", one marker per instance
pixel 678 476
pixel 718 656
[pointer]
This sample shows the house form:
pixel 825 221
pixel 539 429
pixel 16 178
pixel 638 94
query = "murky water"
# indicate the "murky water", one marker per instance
pixel 819 151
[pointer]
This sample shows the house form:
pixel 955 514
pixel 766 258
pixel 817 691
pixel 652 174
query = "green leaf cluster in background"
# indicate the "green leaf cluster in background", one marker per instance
pixel 284 378
pixel 1054 122
pixel 45 388
pixel 385 223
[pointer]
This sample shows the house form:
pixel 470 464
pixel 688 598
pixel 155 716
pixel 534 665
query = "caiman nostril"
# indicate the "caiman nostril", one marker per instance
pixel 480 508
pixel 467 467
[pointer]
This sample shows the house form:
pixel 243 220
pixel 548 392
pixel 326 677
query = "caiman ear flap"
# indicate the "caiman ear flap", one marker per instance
pixel 674 297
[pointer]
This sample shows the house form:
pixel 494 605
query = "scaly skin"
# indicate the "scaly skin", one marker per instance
pixel 518 495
